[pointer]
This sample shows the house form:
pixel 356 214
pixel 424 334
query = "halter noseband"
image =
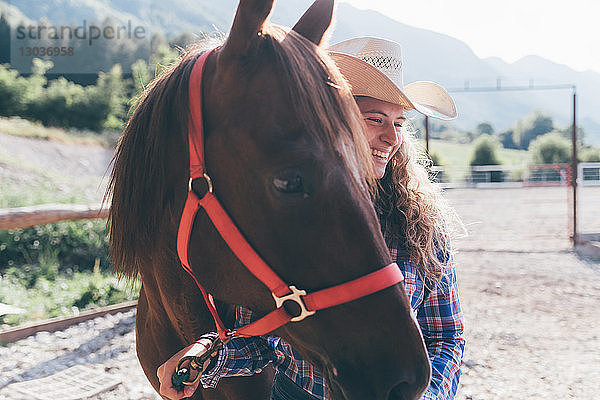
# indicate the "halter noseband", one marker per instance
pixel 308 303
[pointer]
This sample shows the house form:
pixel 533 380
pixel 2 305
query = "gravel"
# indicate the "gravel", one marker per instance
pixel 105 343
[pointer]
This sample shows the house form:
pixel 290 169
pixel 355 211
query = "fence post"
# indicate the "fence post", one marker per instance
pixel 574 166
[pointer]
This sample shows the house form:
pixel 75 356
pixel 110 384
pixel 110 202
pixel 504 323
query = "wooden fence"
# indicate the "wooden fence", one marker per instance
pixel 24 217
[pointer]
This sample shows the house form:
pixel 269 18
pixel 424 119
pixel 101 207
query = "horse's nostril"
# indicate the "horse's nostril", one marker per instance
pixel 399 392
pixel 407 391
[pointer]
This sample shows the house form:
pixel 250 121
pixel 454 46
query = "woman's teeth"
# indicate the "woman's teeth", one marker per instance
pixel 379 154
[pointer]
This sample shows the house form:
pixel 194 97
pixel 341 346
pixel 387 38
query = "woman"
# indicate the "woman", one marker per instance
pixel 414 219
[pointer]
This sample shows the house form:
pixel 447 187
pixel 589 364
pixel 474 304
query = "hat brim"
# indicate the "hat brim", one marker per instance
pixel 428 98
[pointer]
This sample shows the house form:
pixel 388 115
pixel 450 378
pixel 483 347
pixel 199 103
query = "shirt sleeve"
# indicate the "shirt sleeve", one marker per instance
pixel 240 356
pixel 441 321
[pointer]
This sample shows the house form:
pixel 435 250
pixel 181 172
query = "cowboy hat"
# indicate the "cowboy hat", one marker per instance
pixel 373 67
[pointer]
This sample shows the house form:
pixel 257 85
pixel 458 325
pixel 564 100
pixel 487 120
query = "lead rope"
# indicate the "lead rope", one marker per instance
pixel 195 364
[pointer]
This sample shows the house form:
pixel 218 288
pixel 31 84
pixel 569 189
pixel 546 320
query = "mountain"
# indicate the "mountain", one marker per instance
pixel 427 55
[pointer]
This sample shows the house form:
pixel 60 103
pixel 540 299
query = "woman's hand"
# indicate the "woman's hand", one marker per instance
pixel 166 370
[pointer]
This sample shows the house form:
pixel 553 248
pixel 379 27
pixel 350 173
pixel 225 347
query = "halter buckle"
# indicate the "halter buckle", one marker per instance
pixel 295 296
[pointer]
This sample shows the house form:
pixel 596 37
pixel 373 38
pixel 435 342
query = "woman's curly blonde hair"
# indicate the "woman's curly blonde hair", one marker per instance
pixel 413 211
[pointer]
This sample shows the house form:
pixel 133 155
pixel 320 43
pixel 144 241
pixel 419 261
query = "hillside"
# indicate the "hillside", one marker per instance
pixel 424 51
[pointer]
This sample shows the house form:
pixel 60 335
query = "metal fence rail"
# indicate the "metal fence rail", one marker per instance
pixel 589 174
pixel 502 175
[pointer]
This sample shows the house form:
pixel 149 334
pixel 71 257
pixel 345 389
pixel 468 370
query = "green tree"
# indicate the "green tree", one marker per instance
pixel 534 125
pixel 550 148
pixel 506 139
pixel 485 150
pixel 485 128
pixel 111 90
pixel 4 39
pixel 141 75
pixel 567 133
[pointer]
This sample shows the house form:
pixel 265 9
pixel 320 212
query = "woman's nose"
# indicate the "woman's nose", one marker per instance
pixel 391 135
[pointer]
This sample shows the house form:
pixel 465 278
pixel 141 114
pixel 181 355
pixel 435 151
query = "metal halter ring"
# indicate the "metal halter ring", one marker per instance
pixel 295 297
pixel 208 182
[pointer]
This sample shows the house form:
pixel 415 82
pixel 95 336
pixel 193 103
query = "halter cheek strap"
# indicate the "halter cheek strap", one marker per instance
pixel 281 292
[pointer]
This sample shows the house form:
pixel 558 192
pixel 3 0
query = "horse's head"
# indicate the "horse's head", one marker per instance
pixel 289 162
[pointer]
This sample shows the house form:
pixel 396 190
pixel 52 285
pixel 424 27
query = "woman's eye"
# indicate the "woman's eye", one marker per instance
pixel 375 120
pixel 292 184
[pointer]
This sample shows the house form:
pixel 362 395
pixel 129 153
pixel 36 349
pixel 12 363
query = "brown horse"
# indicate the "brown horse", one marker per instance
pixel 288 159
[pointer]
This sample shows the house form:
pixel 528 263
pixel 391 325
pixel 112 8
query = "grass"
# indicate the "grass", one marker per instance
pixel 459 154
pixel 455 158
pixel 59 295
pixel 57 270
pixel 17 126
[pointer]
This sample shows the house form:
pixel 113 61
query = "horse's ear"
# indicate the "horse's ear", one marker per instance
pixel 247 25
pixel 315 21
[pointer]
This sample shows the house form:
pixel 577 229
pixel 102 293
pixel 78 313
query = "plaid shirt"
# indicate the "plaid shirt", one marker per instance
pixel 438 313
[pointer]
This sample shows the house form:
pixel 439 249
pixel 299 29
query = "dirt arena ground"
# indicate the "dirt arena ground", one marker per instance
pixel 530 303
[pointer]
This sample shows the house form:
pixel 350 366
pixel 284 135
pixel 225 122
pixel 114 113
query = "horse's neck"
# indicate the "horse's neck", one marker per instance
pixel 173 299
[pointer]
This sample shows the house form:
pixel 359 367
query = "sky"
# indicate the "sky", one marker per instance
pixel 566 32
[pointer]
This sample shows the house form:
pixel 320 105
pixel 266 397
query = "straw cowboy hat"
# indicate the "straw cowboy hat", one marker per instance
pixel 373 67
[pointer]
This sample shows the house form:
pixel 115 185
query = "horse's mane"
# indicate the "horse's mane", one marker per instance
pixel 141 185
pixel 145 186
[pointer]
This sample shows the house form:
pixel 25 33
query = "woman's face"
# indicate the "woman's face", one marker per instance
pixel 383 121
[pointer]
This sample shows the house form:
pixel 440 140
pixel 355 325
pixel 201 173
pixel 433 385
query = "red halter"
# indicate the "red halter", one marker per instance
pixel 309 303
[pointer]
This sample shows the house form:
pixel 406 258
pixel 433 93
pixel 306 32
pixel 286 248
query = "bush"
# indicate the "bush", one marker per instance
pixel 40 249
pixel 69 105
pixel 54 107
pixel 550 148
pixel 485 150
pixel 13 89
pixel 436 159
pixel 63 103
pixel 591 154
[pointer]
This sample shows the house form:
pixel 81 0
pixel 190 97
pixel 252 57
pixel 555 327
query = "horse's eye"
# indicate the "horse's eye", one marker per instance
pixel 289 184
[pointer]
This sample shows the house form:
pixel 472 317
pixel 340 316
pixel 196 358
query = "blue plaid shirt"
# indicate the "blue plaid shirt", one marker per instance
pixel 438 313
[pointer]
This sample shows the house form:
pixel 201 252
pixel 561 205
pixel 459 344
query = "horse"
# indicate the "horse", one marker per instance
pixel 288 160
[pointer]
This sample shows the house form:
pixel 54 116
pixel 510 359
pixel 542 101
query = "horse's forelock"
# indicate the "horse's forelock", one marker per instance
pixel 322 100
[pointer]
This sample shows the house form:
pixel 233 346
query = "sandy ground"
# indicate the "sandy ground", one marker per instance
pixel 530 303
